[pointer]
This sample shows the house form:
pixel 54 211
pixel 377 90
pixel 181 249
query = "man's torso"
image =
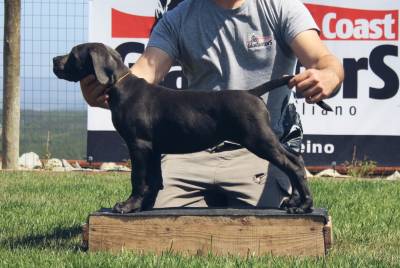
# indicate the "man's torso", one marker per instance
pixel 234 48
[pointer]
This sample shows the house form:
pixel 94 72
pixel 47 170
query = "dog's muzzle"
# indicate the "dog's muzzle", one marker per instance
pixel 58 66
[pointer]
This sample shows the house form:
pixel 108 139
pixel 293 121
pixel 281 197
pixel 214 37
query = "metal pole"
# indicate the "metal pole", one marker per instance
pixel 11 84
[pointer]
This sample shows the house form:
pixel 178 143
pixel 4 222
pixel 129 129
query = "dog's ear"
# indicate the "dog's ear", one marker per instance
pixel 104 65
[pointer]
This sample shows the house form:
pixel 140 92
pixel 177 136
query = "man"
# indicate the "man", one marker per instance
pixel 234 44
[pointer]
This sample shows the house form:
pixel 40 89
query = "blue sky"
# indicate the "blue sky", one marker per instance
pixel 48 28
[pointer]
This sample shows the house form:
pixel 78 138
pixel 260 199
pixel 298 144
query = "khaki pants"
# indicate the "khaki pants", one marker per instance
pixel 235 178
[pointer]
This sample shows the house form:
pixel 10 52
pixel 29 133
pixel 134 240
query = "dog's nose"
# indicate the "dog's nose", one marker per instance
pixel 58 66
pixel 56 61
pixel 60 60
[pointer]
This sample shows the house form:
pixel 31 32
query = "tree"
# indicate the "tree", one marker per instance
pixel 11 84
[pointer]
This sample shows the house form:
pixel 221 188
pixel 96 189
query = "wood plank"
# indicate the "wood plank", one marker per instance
pixel 328 234
pixel 85 236
pixel 239 232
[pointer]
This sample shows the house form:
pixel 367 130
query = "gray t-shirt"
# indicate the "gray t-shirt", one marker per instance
pixel 235 49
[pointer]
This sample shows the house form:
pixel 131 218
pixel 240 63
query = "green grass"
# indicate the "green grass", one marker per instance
pixel 41 214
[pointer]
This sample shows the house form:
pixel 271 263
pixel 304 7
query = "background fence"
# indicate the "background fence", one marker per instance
pixel 53 112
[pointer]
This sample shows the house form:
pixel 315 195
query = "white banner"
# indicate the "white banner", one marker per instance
pixel 364 35
pixel 116 22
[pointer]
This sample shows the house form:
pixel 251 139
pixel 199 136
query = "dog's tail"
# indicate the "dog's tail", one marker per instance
pixel 270 85
pixel 275 83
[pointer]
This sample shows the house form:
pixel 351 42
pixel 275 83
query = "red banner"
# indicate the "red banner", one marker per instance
pixel 337 23
pixel 124 25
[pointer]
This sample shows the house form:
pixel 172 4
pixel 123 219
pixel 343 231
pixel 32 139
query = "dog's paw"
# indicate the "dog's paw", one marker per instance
pixel 128 206
pixel 289 203
pixel 295 206
pixel 292 202
pixel 304 207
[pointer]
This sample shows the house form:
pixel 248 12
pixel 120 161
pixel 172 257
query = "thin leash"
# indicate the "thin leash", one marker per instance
pixel 119 80
pixel 122 77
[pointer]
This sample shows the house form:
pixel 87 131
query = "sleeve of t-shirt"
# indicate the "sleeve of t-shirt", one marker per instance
pixel 165 34
pixel 294 19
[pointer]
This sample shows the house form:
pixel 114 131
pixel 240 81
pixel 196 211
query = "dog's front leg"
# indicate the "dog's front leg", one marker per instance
pixel 154 181
pixel 140 187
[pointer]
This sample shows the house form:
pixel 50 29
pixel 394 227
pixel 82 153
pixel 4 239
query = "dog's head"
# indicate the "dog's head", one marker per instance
pixel 90 58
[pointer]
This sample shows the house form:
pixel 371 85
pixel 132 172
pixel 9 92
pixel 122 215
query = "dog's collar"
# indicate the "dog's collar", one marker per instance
pixel 119 80
pixel 122 77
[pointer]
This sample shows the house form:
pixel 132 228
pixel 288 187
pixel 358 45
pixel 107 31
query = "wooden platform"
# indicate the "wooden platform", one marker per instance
pixel 219 231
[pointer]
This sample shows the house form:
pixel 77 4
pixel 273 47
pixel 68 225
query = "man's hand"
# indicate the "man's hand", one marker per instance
pixel 315 85
pixel 94 92
pixel 152 66
pixel 324 73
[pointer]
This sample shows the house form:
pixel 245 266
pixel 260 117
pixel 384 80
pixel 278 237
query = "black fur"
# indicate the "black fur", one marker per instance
pixel 154 120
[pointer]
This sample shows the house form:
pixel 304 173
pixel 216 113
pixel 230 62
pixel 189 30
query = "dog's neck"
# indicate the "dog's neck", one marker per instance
pixel 126 85
pixel 122 77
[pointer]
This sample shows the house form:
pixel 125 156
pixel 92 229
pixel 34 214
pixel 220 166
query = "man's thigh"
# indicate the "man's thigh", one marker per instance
pixel 245 178
pixel 251 180
pixel 186 177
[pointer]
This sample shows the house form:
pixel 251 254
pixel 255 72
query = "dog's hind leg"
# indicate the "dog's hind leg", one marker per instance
pixel 265 145
pixel 293 204
pixel 296 173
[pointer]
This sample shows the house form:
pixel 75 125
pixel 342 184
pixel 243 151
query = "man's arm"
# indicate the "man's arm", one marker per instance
pixel 152 66
pixel 324 73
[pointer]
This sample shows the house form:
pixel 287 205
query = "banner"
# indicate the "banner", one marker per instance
pixel 363 35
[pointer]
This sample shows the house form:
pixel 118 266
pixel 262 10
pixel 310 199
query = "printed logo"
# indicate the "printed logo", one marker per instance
pixel 254 41
pixel 337 23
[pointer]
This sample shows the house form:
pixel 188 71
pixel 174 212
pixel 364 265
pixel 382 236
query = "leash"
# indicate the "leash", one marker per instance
pixel 276 83
pixel 118 80
pixel 122 77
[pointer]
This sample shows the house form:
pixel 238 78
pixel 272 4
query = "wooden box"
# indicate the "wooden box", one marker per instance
pixel 201 231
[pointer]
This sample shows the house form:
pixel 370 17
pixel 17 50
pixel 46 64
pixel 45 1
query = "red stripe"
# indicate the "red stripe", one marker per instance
pixel 125 25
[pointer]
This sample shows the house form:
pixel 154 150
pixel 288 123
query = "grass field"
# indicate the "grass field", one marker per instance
pixel 41 214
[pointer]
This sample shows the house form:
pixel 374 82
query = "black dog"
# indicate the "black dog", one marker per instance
pixel 154 120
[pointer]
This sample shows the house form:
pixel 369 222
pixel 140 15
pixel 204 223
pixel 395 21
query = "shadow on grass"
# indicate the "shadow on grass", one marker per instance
pixel 60 238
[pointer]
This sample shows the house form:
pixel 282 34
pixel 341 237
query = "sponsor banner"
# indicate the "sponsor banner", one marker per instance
pixel 366 40
pixel 318 150
pixel 322 150
pixel 338 23
pixel 106 146
pixel 363 35
pixel 124 25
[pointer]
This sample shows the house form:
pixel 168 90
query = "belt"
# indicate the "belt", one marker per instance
pixel 225 146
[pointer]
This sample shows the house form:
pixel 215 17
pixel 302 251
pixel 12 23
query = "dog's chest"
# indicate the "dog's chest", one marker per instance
pixel 118 115
pixel 117 119
pixel 127 119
